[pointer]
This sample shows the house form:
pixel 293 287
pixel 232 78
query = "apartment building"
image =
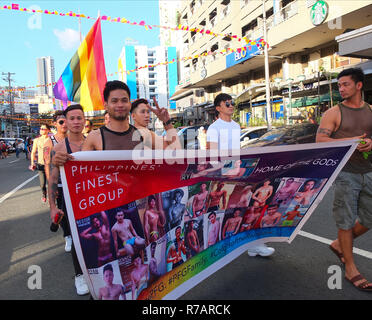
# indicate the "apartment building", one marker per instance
pixel 304 56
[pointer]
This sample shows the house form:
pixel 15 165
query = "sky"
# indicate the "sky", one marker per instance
pixel 27 36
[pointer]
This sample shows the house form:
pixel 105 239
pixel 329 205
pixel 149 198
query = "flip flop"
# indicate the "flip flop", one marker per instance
pixel 337 253
pixel 363 286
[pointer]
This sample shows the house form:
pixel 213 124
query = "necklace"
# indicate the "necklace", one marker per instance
pixel 77 146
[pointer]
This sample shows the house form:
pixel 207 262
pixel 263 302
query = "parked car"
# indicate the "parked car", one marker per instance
pixel 293 134
pixel 251 134
pixel 189 136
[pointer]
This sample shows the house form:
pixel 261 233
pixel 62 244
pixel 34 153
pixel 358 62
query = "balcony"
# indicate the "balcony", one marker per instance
pixel 283 15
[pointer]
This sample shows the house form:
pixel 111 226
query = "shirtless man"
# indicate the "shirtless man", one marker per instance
pixel 123 229
pixel 214 229
pixel 250 218
pixel 199 200
pixel 245 197
pixel 272 218
pixel 192 240
pixel 304 197
pixel 291 215
pixel 139 276
pixel 236 171
pixel 153 265
pixel 203 169
pixel 153 219
pixel 263 193
pixel 101 234
pixel 176 250
pixel 232 225
pixel 215 198
pixel 111 291
pixel 285 194
pixel 177 209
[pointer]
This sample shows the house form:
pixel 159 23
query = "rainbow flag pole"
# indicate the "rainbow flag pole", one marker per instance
pixel 84 78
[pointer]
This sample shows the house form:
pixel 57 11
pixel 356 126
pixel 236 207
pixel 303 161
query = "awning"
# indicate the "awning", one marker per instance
pixel 356 43
pixel 251 92
pixel 182 93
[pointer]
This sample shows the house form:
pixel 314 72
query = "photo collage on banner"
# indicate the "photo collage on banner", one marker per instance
pixel 128 248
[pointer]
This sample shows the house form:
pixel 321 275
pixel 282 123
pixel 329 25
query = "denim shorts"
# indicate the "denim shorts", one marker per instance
pixel 353 200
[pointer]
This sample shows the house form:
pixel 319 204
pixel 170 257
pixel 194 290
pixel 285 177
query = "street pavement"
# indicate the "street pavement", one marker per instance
pixel 297 271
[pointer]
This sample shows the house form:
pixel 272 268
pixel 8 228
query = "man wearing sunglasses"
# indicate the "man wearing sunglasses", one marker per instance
pixel 59 122
pixel 38 148
pixel 224 135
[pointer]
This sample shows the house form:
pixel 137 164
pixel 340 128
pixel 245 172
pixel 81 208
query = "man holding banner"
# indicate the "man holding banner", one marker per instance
pixel 224 135
pixel 74 118
pixel 351 119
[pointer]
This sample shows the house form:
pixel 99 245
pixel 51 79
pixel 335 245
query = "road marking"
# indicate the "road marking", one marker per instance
pixel 361 252
pixel 17 188
pixel 14 160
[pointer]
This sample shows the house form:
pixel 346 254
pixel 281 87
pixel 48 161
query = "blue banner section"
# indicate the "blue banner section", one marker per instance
pixel 130 64
pixel 172 71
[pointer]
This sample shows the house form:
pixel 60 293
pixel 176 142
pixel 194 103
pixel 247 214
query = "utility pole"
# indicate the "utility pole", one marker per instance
pixel 10 94
pixel 267 73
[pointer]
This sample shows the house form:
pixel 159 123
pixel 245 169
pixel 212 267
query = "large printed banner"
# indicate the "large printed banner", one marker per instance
pixel 153 229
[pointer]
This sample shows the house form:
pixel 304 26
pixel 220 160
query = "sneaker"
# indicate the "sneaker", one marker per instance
pixel 81 285
pixel 261 249
pixel 68 244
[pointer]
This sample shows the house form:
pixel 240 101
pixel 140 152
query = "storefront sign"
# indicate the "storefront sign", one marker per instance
pixel 319 12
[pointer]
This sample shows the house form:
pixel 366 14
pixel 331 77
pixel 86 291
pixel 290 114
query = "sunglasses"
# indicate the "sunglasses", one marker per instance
pixel 227 104
pixel 43 129
pixel 61 122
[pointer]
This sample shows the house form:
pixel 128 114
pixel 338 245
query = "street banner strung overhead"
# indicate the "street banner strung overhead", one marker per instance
pixel 152 226
pixel 84 78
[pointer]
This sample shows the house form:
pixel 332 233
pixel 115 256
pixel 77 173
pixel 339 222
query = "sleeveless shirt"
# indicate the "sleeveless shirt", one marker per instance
pixel 127 140
pixel 355 122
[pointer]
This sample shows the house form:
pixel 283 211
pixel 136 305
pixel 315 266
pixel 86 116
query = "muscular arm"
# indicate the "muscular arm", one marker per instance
pixel 329 124
pixel 115 237
pixel 33 151
pixel 53 191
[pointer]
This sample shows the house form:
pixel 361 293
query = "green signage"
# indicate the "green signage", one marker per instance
pixel 319 12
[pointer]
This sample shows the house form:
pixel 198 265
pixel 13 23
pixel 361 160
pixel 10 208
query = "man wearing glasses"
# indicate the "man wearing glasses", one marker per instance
pixel 38 147
pixel 59 122
pixel 224 135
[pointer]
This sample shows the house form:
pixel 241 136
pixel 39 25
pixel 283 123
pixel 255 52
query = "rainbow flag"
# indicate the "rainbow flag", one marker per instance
pixel 84 78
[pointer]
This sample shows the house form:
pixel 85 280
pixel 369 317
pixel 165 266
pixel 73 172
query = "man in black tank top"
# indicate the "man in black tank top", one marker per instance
pixel 72 143
pixel 352 208
pixel 59 122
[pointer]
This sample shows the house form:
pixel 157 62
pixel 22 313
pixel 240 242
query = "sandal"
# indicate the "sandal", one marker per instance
pixel 337 253
pixel 363 286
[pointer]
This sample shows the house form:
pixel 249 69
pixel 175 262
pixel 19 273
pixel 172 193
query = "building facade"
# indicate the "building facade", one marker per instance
pixel 304 57
pixel 45 75
pixel 154 81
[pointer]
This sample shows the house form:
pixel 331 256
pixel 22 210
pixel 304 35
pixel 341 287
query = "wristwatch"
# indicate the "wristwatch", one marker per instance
pixel 167 122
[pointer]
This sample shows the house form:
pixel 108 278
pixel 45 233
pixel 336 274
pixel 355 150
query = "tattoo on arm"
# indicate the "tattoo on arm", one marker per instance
pixel 324 131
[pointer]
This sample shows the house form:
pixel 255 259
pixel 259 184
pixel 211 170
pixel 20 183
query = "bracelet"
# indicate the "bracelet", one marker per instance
pixel 167 122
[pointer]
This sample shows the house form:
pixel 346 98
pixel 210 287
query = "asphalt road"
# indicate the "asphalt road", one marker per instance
pixel 297 271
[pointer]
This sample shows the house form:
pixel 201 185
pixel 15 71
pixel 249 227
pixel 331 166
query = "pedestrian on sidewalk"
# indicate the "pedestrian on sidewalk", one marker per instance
pixel 37 159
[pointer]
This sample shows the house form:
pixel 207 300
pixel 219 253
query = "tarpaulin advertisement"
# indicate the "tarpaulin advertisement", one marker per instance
pixel 154 227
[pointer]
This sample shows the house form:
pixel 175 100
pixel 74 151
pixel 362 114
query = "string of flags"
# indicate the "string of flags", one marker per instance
pixel 142 23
